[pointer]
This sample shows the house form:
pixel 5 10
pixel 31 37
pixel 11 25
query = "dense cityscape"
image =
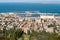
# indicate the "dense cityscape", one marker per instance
pixel 14 27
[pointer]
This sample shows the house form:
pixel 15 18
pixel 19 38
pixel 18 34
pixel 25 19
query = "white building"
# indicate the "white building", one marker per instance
pixel 50 30
pixel 47 17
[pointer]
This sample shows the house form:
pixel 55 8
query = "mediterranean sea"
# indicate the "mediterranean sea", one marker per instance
pixel 21 7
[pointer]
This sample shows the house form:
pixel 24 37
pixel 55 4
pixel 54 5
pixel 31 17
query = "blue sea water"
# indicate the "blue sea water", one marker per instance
pixel 21 7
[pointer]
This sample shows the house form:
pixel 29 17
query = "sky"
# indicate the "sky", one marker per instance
pixel 32 1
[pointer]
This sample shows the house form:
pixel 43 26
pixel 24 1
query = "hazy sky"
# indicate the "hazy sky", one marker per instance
pixel 32 1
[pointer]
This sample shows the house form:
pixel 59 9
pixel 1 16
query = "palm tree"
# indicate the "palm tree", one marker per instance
pixel 42 24
pixel 5 32
pixel 54 23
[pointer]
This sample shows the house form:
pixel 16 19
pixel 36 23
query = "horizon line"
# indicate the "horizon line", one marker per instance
pixel 30 2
